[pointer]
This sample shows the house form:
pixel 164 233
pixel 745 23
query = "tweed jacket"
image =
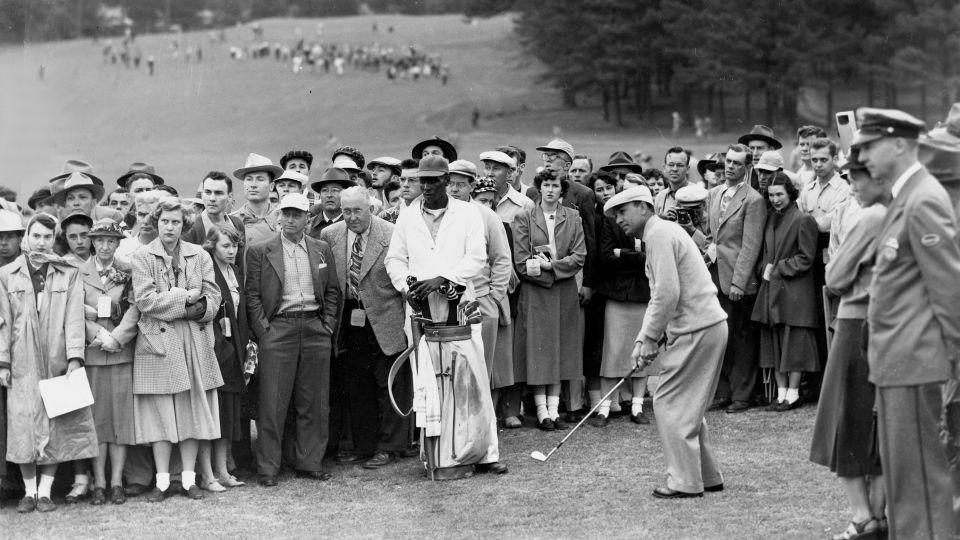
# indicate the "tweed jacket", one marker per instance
pixel 530 231
pixel 160 365
pixel 264 282
pixel 584 201
pixel 384 306
pixel 126 331
pixel 738 236
pixel 915 292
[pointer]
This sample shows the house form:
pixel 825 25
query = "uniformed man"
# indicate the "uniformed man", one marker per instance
pixel 914 324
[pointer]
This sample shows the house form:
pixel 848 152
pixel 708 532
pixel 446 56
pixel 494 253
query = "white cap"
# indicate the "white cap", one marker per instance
pixel 692 194
pixel 11 221
pixel 558 145
pixel 497 156
pixel 634 194
pixel 344 162
pixel 296 176
pixel 464 168
pixel 297 201
pixel 386 161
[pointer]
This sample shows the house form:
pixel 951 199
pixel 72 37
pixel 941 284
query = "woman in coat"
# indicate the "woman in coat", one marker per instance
pixel 111 325
pixel 41 306
pixel 230 345
pixel 175 370
pixel 786 305
pixel 549 251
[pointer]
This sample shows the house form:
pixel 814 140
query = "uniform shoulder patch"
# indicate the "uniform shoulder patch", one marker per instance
pixel 930 240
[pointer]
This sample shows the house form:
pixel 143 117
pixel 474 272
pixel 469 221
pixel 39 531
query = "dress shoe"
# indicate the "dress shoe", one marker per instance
pixel 413 450
pixel 774 407
pixel 213 486
pixel 230 481
pixel 347 457
pixel 512 422
pixel 574 416
pixel 491 468
pixel 784 406
pixel 44 504
pixel 599 420
pixel 78 492
pixel 667 493
pixel 155 495
pixel 719 403
pixel 737 407
pixel 640 418
pixel 99 496
pixel 380 459
pixel 546 425
pixel 714 488
pixel 193 492
pixel 268 480
pixel 560 424
pixel 617 413
pixel 117 496
pixel 135 490
pixel 320 476
pixel 27 504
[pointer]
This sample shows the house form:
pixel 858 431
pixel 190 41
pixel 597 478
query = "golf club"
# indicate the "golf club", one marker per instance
pixel 539 456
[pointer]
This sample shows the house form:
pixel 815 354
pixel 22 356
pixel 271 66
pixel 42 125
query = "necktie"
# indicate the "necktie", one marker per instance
pixel 724 202
pixel 356 257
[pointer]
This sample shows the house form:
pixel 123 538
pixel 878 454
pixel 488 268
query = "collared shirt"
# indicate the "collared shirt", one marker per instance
pixel 432 218
pixel 512 204
pixel 102 269
pixel 898 185
pixel 727 195
pixel 258 227
pixel 351 238
pixel 666 199
pixel 845 216
pixel 551 219
pixel 819 199
pixel 298 293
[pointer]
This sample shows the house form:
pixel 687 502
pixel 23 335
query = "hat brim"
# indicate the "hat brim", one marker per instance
pixel 632 166
pixel 767 168
pixel 343 183
pixel 374 163
pixel 448 150
pixel 275 170
pixel 703 164
pixel 431 174
pixel 864 138
pixel 552 149
pixel 745 139
pixel 123 180
pixel 96 180
pixel 76 217
pixel 472 177
pixel 504 163
pixel 104 234
pixel 61 195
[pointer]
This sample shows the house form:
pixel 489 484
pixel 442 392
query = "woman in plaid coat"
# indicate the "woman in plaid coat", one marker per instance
pixel 175 370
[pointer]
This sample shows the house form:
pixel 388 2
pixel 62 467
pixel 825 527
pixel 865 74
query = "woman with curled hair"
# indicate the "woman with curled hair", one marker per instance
pixel 175 369
pixel 549 250
pixel 786 305
pixel 230 345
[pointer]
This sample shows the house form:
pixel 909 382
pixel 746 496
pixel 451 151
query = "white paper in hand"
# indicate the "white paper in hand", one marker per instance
pixel 66 394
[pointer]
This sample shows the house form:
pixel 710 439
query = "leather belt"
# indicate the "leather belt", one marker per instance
pixel 299 314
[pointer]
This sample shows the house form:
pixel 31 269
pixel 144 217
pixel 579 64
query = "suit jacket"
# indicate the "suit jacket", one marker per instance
pixel 584 201
pixel 530 230
pixel 738 236
pixel 622 278
pixel 231 351
pixel 790 245
pixel 160 365
pixel 383 304
pixel 915 292
pixel 126 331
pixel 319 222
pixel 264 282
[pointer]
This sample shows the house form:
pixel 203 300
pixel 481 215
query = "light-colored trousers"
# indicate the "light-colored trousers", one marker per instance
pixel 690 369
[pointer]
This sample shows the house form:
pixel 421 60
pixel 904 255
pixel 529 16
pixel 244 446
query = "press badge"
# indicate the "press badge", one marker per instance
pixel 225 326
pixel 358 317
pixel 103 306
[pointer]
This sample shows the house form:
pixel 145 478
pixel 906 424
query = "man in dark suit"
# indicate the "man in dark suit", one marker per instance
pixel 371 330
pixel 914 324
pixel 292 306
pixel 737 214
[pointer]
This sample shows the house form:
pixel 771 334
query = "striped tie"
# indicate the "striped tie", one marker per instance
pixel 356 257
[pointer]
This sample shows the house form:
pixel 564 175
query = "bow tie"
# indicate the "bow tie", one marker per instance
pixel 105 272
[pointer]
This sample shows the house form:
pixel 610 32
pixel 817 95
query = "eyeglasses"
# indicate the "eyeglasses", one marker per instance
pixel 550 156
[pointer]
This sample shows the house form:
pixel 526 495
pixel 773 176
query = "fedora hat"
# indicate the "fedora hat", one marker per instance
pixel 448 150
pixel 296 154
pixel 38 197
pixel 351 153
pixel 257 163
pixel 622 160
pixel 708 163
pixel 78 180
pixel 139 167
pixel 11 222
pixel 761 133
pixel 76 165
pixel 333 175
pixel 940 147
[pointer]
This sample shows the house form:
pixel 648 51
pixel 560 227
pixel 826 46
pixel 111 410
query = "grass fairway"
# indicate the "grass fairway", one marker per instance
pixel 597 485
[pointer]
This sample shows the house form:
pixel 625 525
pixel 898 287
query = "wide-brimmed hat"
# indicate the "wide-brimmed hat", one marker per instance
pixel 257 163
pixel 76 216
pixel 558 145
pixel 333 175
pixel 71 166
pixel 107 228
pixel 940 147
pixel 78 180
pixel 351 153
pixel 771 160
pixel 761 133
pixel 446 147
pixel 878 123
pixel 622 160
pixel 634 194
pixel 38 197
pixel 433 167
pixel 711 162
pixel 497 156
pixel 139 167
pixel 464 168
pixel 296 176
pixel 386 161
pixel 296 154
pixel 11 222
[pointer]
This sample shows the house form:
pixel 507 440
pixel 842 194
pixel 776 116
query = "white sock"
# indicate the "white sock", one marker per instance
pixel 163 481
pixel 604 409
pixel 781 394
pixel 553 407
pixel 30 486
pixel 793 394
pixel 46 482
pixel 636 405
pixel 594 396
pixel 81 479
pixel 540 400
pixel 188 479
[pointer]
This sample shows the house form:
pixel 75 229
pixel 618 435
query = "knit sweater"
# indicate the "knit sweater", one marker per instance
pixel 850 270
pixel 683 298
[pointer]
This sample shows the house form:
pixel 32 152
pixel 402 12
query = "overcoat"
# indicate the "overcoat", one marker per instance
pixel 126 331
pixel 160 365
pixel 231 351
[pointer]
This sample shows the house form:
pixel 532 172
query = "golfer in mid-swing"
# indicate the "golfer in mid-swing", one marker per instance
pixel 683 308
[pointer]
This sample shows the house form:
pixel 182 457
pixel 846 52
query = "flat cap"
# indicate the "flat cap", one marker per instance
pixel 297 201
pixel 558 145
pixel 497 156
pixel 692 194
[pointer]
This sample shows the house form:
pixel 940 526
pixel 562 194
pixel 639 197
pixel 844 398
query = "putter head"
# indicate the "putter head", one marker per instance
pixel 537 455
